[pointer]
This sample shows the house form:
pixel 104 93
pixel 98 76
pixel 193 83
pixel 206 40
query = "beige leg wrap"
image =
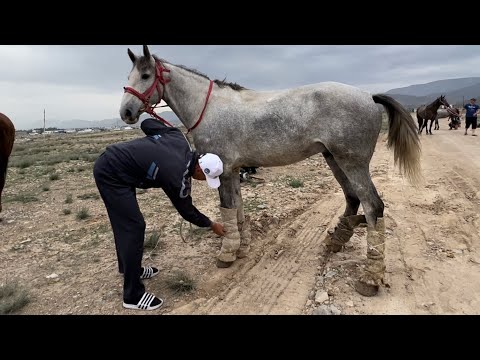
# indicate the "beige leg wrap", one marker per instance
pixel 231 241
pixel 245 233
pixel 375 264
pixel 343 231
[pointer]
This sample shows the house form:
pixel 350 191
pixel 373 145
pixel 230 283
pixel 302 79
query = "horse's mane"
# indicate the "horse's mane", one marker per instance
pixel 221 83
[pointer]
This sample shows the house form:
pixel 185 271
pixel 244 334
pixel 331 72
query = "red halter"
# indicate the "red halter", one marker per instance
pixel 159 79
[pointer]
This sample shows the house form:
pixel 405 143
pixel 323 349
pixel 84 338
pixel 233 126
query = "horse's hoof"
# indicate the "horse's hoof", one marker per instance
pixel 223 264
pixel 334 248
pixel 366 289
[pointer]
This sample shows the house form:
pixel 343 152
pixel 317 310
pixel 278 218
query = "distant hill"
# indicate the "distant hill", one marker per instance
pixel 436 87
pixel 115 122
pixel 456 92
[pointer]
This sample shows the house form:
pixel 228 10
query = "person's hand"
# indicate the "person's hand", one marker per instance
pixel 217 228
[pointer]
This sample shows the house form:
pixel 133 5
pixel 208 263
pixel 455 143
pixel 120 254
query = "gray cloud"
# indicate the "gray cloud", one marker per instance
pixel 85 82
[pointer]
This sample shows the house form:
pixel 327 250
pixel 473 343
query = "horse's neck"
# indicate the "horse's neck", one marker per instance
pixel 435 105
pixel 185 94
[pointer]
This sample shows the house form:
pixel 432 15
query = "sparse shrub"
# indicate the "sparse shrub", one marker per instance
pixel 152 240
pixel 94 196
pixel 13 297
pixel 25 164
pixel 83 214
pixel 295 183
pixel 181 282
pixel 23 198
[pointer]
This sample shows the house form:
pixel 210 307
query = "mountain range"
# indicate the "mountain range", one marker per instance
pixel 456 91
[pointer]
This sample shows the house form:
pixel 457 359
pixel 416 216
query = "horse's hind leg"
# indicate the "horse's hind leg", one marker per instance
pixel 230 201
pixel 358 174
pixel 343 231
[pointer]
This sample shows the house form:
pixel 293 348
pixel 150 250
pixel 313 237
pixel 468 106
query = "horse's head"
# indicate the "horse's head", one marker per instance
pixel 443 101
pixel 145 86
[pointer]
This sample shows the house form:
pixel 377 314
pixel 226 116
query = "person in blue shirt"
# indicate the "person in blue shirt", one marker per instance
pixel 471 116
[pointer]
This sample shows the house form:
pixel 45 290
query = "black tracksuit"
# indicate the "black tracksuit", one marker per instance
pixel 162 159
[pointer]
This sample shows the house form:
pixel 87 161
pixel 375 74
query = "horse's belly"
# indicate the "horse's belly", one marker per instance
pixel 281 154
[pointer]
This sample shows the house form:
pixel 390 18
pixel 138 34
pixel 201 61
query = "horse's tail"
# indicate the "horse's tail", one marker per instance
pixel 403 137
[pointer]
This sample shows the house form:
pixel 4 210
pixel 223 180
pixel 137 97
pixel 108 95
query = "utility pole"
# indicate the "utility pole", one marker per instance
pixel 43 121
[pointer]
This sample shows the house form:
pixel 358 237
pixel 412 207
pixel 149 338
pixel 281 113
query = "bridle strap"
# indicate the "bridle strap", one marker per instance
pixel 204 107
pixel 145 97
pixel 159 79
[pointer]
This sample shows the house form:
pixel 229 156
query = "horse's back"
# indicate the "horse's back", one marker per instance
pixel 333 89
pixel 271 128
pixel 6 123
pixel 7 136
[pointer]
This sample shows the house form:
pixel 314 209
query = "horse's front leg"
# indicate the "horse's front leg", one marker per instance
pixel 230 201
pixel 420 124
pixel 431 123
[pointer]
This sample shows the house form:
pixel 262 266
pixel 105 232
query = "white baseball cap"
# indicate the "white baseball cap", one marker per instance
pixel 212 167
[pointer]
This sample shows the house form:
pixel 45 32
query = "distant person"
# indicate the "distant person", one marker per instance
pixel 471 116
pixel 162 159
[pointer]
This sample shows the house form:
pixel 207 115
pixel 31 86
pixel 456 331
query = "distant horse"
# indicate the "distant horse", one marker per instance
pixel 7 138
pixel 248 128
pixel 453 114
pixel 429 112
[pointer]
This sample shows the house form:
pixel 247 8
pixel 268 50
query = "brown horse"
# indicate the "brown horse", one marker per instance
pixel 7 138
pixel 429 112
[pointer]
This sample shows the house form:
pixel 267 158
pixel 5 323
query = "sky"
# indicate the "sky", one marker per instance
pixel 86 82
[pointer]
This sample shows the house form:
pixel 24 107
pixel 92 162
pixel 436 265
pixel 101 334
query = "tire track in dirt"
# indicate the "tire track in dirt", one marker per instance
pixel 434 243
pixel 277 284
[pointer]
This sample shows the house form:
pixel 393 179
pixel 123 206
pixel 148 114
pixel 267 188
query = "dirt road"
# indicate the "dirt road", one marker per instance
pixel 68 265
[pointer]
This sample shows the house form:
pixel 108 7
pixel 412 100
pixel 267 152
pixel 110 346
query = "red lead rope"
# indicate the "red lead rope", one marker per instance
pixel 159 79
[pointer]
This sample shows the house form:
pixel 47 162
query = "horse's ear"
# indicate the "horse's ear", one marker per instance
pixel 132 56
pixel 146 52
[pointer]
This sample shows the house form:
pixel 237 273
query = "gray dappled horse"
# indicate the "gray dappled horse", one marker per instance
pixel 429 112
pixel 453 114
pixel 7 138
pixel 248 128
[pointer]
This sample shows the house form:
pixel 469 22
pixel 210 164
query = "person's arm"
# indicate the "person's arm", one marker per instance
pixel 185 207
pixel 189 212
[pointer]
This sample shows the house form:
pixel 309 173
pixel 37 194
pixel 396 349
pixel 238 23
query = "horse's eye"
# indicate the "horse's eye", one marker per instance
pixel 145 76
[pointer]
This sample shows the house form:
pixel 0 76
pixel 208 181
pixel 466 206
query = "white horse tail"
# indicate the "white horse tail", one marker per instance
pixel 403 137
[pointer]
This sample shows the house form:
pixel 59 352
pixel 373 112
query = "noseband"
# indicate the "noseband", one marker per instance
pixel 159 79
